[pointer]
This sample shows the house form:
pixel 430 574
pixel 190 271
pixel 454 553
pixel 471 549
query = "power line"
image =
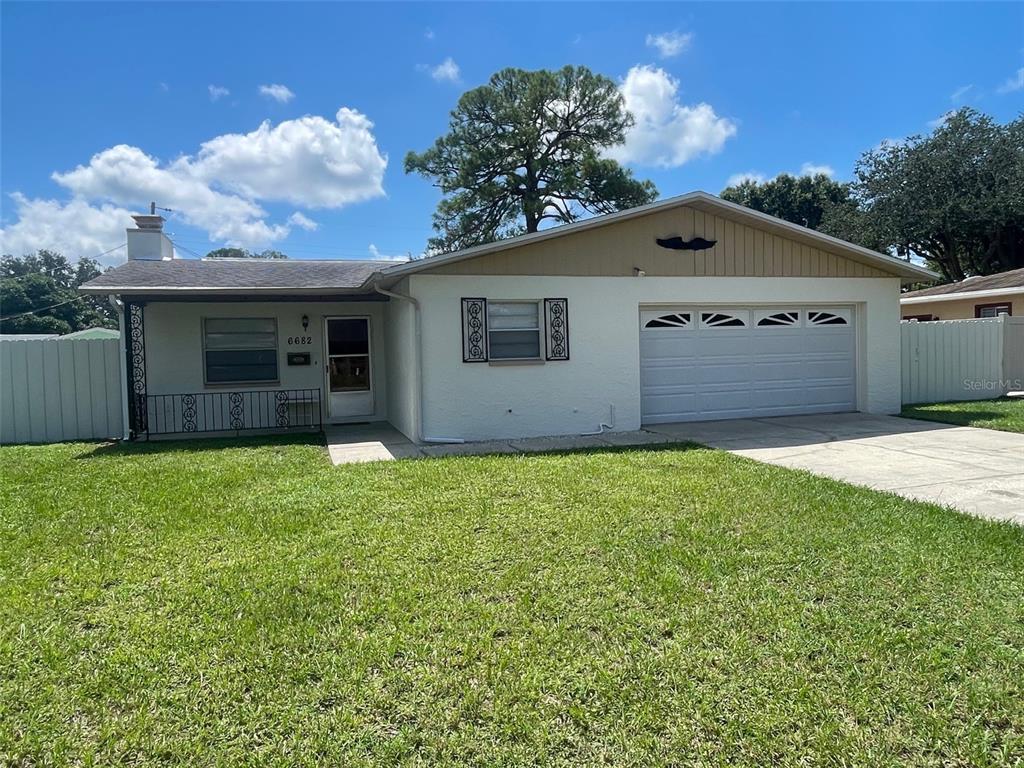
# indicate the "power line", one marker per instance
pixel 321 253
pixel 62 303
pixel 92 258
pixel 43 309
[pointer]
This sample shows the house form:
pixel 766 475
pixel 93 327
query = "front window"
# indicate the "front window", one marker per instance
pixel 513 330
pixel 240 349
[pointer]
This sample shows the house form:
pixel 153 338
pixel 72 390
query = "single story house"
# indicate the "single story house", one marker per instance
pixel 691 308
pixel 985 296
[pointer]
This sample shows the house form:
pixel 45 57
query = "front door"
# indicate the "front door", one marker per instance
pixel 349 383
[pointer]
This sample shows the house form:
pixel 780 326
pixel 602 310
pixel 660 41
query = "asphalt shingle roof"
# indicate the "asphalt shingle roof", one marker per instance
pixel 256 274
pixel 1012 279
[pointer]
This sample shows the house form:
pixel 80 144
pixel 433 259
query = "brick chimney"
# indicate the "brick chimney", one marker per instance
pixel 147 239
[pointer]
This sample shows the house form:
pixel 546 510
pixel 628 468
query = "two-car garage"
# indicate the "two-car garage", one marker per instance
pixel 725 362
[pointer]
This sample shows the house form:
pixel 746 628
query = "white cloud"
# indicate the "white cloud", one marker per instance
pixel 75 228
pixel 428 33
pixel 670 44
pixel 960 92
pixel 282 94
pixel 128 176
pixel 738 178
pixel 447 70
pixel 310 162
pixel 1015 83
pixel 376 254
pixel 302 221
pixel 810 169
pixel 217 92
pixel 667 133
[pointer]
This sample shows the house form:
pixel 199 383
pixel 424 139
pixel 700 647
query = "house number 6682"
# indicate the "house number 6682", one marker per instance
pixel 299 340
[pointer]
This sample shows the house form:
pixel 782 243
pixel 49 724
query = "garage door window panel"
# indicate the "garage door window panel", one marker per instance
pixel 724 319
pixel 817 317
pixel 778 319
pixel 672 320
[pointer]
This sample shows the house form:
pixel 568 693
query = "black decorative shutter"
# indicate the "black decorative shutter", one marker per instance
pixel 474 330
pixel 556 328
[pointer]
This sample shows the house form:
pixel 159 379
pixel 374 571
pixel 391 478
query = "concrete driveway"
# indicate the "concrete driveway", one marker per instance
pixel 978 471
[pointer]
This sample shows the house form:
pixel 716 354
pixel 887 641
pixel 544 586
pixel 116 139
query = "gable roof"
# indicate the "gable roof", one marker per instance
pixel 192 276
pixel 992 285
pixel 702 201
pixel 178 277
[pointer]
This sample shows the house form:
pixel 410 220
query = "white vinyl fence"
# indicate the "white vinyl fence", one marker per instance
pixel 962 359
pixel 53 390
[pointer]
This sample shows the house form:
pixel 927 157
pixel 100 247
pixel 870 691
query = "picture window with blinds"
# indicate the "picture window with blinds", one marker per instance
pixel 240 350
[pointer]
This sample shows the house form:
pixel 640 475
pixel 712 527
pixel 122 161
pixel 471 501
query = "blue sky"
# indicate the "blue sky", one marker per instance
pixel 106 106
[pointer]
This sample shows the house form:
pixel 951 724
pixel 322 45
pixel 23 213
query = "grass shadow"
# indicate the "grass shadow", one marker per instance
pixel 202 444
pixel 469 450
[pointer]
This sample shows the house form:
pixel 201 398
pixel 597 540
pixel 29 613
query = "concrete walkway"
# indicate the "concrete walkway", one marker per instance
pixel 978 471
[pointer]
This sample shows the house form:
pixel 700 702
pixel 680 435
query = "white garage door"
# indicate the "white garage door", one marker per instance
pixel 699 363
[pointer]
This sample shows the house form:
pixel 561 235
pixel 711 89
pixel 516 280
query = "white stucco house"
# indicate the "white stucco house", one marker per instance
pixel 691 308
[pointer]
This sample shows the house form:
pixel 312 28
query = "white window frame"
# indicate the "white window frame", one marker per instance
pixel 234 383
pixel 539 330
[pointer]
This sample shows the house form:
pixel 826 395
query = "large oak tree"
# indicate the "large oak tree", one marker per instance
pixel 526 149
pixel 954 198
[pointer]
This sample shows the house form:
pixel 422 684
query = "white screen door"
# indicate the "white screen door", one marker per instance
pixel 350 385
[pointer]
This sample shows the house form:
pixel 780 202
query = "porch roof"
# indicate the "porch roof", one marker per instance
pixel 233 276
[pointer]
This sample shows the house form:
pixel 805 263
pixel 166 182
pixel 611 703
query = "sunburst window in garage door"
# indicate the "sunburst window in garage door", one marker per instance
pixel 723 319
pixel 817 317
pixel 785 319
pixel 673 320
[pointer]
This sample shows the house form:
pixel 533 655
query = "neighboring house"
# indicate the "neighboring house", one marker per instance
pixel 987 296
pixel 583 327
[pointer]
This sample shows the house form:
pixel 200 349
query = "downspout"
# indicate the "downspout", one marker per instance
pixel 118 306
pixel 418 365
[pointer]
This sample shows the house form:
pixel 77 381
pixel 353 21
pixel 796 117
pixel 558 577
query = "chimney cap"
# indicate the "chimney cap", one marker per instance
pixel 148 221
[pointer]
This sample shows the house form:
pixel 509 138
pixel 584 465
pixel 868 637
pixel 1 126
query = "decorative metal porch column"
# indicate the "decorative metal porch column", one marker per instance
pixel 138 415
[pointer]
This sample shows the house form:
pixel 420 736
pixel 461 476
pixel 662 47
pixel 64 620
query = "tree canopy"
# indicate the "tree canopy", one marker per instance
pixel 804 200
pixel 525 149
pixel 242 253
pixel 43 279
pixel 953 199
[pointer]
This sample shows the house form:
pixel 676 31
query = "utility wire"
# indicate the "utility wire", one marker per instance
pixel 62 303
pixel 43 309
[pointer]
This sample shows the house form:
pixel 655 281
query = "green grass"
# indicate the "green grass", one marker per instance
pixel 1005 414
pixel 216 604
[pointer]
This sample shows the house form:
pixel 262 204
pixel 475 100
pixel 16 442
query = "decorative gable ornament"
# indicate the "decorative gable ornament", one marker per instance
pixel 678 244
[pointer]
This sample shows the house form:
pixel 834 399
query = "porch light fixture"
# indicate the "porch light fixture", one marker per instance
pixel 305 322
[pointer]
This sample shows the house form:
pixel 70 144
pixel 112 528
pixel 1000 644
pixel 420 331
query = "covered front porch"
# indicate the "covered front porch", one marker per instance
pixel 228 365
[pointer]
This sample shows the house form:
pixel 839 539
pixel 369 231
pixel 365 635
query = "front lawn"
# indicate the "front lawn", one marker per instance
pixel 205 605
pixel 1005 414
